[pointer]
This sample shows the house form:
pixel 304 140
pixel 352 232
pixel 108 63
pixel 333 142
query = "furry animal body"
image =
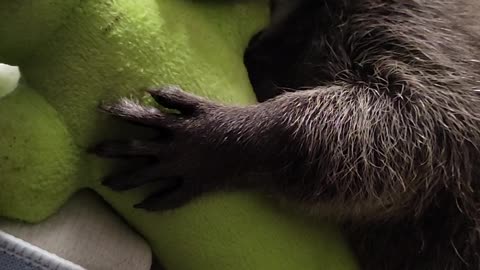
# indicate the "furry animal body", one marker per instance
pixel 369 114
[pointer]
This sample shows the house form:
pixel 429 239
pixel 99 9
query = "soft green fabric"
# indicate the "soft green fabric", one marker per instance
pixel 74 53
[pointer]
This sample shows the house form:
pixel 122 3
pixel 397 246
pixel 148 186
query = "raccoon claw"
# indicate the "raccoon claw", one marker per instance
pixel 191 112
pixel 170 97
pixel 173 97
pixel 122 182
pixel 128 149
pixel 172 192
pixel 172 197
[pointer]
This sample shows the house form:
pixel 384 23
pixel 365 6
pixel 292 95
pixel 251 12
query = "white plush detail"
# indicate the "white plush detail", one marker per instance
pixel 9 76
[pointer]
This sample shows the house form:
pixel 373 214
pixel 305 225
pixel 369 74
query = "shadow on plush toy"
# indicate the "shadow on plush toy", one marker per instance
pixel 73 54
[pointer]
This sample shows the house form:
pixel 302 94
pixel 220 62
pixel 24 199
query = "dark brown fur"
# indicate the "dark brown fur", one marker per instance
pixel 370 115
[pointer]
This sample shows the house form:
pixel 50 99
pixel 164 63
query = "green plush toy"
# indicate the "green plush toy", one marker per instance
pixel 75 53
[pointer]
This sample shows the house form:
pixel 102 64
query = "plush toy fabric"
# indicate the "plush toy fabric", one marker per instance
pixel 74 53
